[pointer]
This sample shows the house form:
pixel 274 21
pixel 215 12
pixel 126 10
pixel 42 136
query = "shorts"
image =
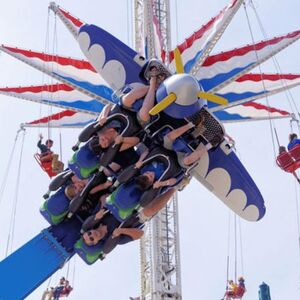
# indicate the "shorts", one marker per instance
pixel 168 144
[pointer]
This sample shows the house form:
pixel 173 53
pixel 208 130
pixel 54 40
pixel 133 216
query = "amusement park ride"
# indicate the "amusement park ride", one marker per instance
pixel 217 85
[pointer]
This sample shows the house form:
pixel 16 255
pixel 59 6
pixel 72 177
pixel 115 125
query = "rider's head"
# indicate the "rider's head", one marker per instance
pixel 241 279
pixel 144 181
pixel 106 137
pixel 94 236
pixel 62 280
pixel 282 149
pixel 72 190
pixel 49 143
pixel 292 136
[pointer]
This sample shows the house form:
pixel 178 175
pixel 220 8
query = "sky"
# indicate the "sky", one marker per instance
pixel 270 247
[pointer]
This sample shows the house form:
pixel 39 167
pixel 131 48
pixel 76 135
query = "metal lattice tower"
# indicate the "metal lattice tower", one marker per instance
pixel 159 248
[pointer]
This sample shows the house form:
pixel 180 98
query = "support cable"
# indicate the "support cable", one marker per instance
pixel 7 169
pixel 228 250
pixel 235 249
pixel 74 269
pixel 10 238
pixel 288 93
pixel 297 213
pixel 46 50
pixel 49 282
pixel 68 269
pixel 241 247
pixel 277 139
pixel 271 123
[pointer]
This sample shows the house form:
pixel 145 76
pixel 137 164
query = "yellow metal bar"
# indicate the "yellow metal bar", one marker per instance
pixel 213 98
pixel 163 104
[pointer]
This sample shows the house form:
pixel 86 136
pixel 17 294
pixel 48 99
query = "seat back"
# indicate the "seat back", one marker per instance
pixel 295 152
pixel 46 165
pixel 284 161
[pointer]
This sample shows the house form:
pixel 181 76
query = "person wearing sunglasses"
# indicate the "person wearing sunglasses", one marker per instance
pixel 106 225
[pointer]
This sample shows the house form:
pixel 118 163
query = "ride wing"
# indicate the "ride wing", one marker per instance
pixel 250 111
pixel 63 119
pixel 58 94
pixel 117 63
pixel 221 172
pixel 250 87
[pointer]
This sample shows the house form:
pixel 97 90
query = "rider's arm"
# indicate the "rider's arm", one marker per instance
pixel 170 181
pixel 40 145
pixel 148 101
pixel 129 142
pixel 133 233
pixel 135 94
pixel 104 113
pixel 139 163
pixel 174 134
pixel 101 187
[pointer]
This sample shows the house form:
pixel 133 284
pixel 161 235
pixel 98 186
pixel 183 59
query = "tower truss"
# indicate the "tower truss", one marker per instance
pixel 159 248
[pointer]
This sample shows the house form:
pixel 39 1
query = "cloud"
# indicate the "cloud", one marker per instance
pixel 218 181
pixel 113 71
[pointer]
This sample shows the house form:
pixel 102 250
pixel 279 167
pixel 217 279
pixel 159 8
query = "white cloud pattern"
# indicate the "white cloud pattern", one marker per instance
pixel 218 181
pixel 113 71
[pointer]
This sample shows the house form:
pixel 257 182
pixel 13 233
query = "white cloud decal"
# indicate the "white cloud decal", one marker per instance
pixel 218 181
pixel 203 165
pixel 237 201
pixel 113 72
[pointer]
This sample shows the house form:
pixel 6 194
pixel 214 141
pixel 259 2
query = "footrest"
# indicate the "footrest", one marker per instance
pixel 212 130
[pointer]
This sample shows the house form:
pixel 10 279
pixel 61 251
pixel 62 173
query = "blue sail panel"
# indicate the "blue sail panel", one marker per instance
pixel 117 63
pixel 222 173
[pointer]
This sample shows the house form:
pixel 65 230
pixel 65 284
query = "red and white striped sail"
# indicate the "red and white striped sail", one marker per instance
pixel 220 69
pixel 76 73
pixel 251 111
pixel 59 94
pixel 64 119
pixel 197 47
pixel 251 87
pixel 71 22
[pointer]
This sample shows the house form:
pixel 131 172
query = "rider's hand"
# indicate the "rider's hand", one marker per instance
pixel 119 139
pixel 107 184
pixel 100 214
pixel 157 184
pixel 116 232
pixel 138 164
pixel 171 181
pixel 102 121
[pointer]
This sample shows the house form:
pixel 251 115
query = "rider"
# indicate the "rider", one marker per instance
pixel 109 225
pixel 94 200
pixel 235 291
pixel 46 153
pixel 124 200
pixel 87 159
pixel 293 141
pixel 173 141
pixel 64 290
pixel 141 100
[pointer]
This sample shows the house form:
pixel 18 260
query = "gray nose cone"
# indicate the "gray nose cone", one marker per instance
pixel 184 86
